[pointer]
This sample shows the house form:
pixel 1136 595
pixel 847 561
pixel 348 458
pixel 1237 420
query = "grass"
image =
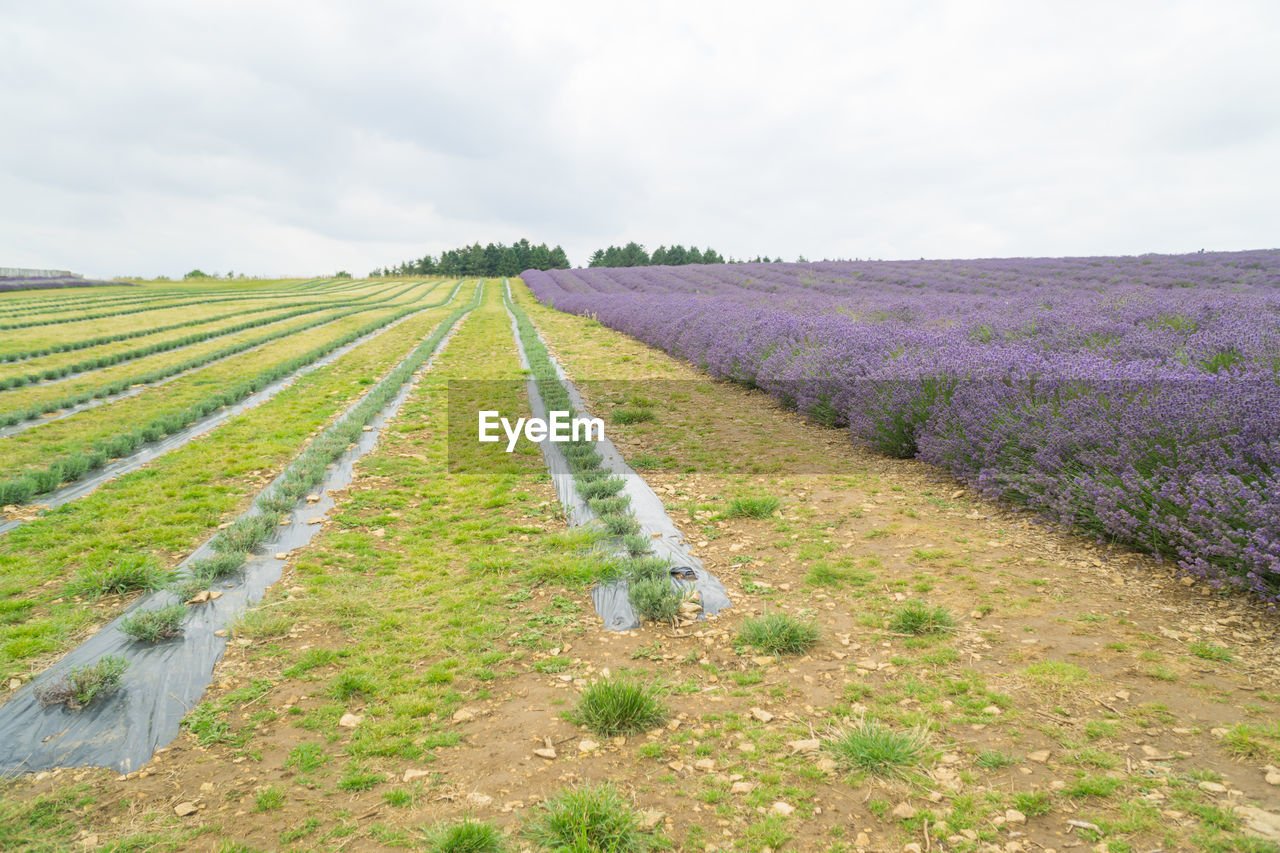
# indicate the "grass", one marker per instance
pixel 151 626
pixel 752 507
pixel 993 760
pixel 632 416
pixel 875 748
pixel 1058 675
pixel 586 819
pixel 1032 803
pixel 1243 741
pixel 121 573
pixel 778 634
pixel 464 836
pixel 83 684
pixel 1093 786
pixel 916 617
pixel 1209 651
pixel 261 624
pixel 620 706
pixel 269 799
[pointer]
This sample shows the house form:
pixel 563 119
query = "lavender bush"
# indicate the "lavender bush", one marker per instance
pixel 1136 397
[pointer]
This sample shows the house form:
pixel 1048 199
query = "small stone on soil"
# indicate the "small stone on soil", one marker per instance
pixel 798 746
pixel 184 809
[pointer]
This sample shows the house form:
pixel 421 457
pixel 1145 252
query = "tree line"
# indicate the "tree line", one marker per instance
pixel 495 259
pixel 634 255
pixel 499 259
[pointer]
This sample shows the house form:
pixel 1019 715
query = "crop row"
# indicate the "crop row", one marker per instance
pixel 132 294
pixel 44 400
pixel 650 590
pixel 100 340
pixel 59 371
pixel 303 474
pixel 108 360
pixel 167 509
pixel 116 385
pixel 23 486
pixel 150 305
pixel 26 304
pixel 1145 413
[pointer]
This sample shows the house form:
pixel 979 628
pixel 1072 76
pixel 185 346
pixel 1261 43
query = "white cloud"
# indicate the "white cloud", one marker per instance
pixel 304 137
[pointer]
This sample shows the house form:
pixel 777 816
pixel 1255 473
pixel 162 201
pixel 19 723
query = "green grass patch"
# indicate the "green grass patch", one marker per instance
pixel 875 748
pixel 120 574
pixel 632 416
pixel 1209 651
pixel 464 836
pixel 586 819
pixel 620 706
pixel 778 634
pixel 916 617
pixel 752 507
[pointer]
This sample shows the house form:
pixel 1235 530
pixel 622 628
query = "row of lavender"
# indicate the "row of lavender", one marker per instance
pixel 1138 398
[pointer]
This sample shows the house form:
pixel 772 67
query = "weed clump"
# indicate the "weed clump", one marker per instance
pixel 878 749
pixel 464 836
pixel 619 706
pixel 632 416
pixel 152 626
pixel 758 507
pixel 588 818
pixel 128 573
pixel 261 624
pixel 916 617
pixel 1210 651
pixel 82 684
pixel 778 634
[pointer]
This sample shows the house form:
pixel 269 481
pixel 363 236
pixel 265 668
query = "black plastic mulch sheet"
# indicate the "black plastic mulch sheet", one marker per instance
pixel 611 600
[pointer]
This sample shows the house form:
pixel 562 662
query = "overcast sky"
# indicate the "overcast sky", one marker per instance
pixel 146 138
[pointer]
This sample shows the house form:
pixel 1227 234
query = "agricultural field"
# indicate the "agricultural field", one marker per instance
pixel 999 540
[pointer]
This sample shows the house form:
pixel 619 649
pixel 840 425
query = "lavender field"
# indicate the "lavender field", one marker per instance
pixel 1136 398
